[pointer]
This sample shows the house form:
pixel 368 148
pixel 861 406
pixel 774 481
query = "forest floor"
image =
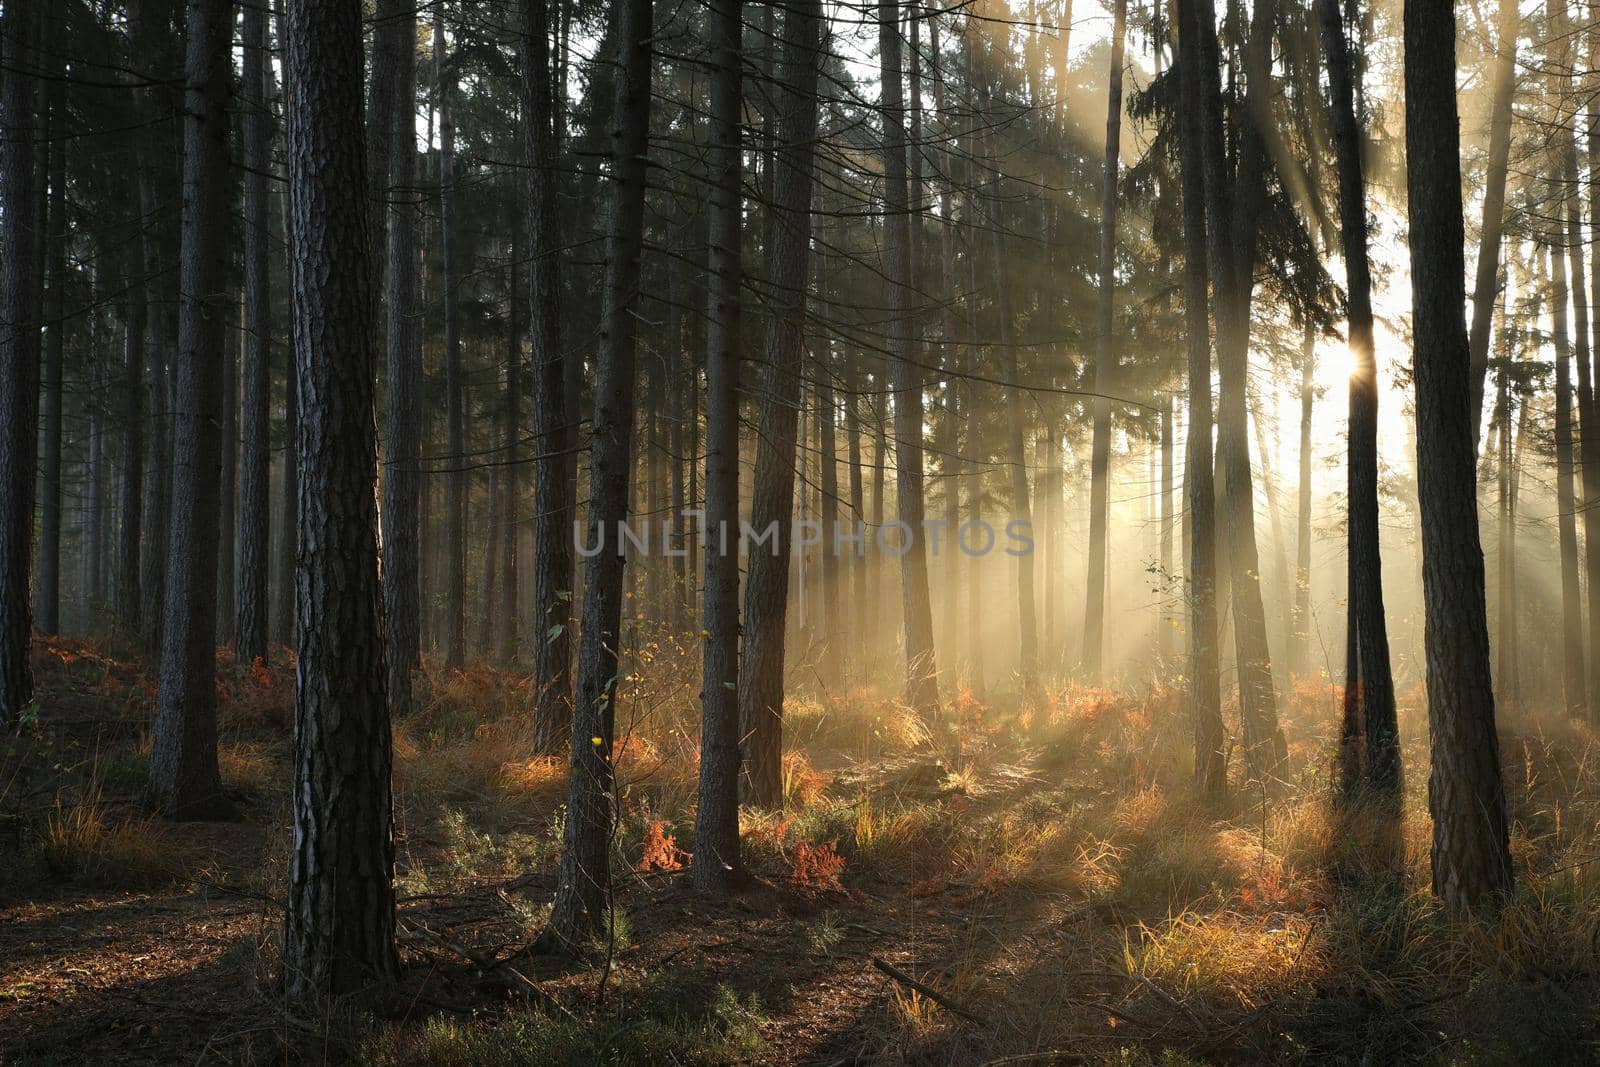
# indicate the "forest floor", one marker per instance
pixel 1046 872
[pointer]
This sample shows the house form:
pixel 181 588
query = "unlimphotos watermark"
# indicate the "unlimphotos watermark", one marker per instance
pixel 894 538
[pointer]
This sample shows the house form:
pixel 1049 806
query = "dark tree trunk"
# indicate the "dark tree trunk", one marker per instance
pixel 1234 200
pixel 1211 755
pixel 716 834
pixel 1300 619
pixel 555 427
pixel 455 479
pixel 1105 364
pixel 859 591
pixel 1163 629
pixel 19 356
pixel 184 780
pixel 402 476
pixel 288 506
pixel 1471 863
pixel 1566 497
pixel 1369 683
pixel 130 602
pixel 339 933
pixel 228 486
pixel 922 672
pixel 47 589
pixel 158 462
pixel 505 641
pixel 1486 289
pixel 761 674
pixel 1506 635
pixel 581 907
pixel 1588 408
pixel 952 351
pixel 92 585
pixel 250 631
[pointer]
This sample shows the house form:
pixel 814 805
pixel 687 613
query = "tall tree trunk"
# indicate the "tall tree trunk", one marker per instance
pixel 228 488
pixel 288 507
pixel 831 632
pixel 716 835
pixel 860 591
pixel 1566 496
pixel 402 476
pixel 250 630
pixel 1368 683
pixel 1471 862
pixel 1235 198
pixel 47 588
pixel 130 601
pixel 184 779
pixel 761 674
pixel 1487 283
pixel 922 674
pixel 1163 621
pixel 1211 755
pixel 455 479
pixel 19 356
pixel 581 905
pixel 1105 369
pixel 952 352
pixel 1506 631
pixel 339 933
pixel 92 586
pixel 1300 619
pixel 511 477
pixel 555 423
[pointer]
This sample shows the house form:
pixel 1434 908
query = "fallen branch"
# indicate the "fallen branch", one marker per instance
pixel 488 966
pixel 928 991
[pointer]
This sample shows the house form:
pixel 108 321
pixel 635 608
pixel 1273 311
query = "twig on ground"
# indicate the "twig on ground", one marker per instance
pixel 928 991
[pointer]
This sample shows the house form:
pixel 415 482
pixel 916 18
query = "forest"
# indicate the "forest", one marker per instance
pixel 722 532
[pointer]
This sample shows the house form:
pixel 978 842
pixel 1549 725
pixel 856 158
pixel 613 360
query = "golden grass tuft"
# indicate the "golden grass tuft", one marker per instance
pixel 87 842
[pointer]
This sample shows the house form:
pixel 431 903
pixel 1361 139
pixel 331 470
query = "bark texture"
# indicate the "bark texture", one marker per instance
pixel 184 779
pixel 1471 862
pixel 339 933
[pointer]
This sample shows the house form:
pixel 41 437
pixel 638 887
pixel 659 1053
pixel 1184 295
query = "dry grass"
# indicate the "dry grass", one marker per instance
pixel 1261 929
pixel 88 843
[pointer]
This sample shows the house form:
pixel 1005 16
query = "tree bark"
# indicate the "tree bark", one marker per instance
pixel 1105 364
pixel 130 602
pixel 716 835
pixel 555 426
pixel 1369 709
pixel 402 476
pixel 1471 862
pixel 1211 755
pixel 581 907
pixel 1575 687
pixel 250 630
pixel 47 590
pixel 1235 196
pixel 505 642
pixel 1300 619
pixel 19 356
pixel 339 933
pixel 761 674
pixel 1487 282
pixel 455 479
pixel 228 488
pixel 922 674
pixel 184 779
